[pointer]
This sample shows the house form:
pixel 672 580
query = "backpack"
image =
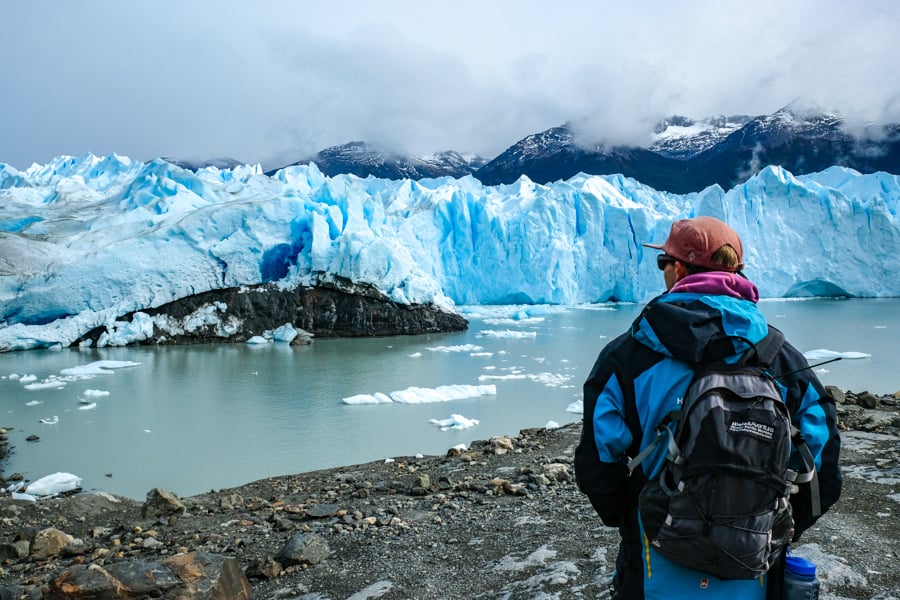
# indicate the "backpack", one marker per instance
pixel 721 503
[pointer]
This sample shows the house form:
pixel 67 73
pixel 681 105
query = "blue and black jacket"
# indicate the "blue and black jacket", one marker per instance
pixel 641 376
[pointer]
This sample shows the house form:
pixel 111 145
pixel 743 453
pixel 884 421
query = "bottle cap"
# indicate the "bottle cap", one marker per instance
pixel 800 566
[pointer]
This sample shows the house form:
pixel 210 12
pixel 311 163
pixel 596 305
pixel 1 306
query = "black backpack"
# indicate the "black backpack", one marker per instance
pixel 721 503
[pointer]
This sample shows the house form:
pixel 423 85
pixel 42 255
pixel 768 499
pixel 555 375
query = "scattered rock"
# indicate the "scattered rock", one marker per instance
pixel 320 511
pixel 11 592
pixel 502 445
pixel 48 543
pixel 836 393
pixel 161 503
pixel 867 400
pixel 303 548
pixel 231 502
pixel 264 568
pixel 557 472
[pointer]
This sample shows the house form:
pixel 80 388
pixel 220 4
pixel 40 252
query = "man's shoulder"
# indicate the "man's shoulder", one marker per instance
pixel 622 347
pixel 626 356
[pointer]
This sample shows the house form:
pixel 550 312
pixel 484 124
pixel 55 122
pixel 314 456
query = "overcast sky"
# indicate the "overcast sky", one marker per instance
pixel 273 81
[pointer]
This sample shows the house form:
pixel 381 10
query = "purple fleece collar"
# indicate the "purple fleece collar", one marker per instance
pixel 718 282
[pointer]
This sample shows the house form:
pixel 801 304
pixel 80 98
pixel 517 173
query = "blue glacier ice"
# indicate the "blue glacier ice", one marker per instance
pixel 85 240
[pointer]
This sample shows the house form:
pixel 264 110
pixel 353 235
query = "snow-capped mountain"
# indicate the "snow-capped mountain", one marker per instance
pixel 222 162
pixel 687 156
pixel 554 155
pixel 683 138
pixel 363 159
pixel 801 141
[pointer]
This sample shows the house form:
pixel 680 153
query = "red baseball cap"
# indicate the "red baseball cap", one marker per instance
pixel 694 241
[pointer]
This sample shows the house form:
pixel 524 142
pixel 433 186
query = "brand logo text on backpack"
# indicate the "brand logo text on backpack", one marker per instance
pixel 754 428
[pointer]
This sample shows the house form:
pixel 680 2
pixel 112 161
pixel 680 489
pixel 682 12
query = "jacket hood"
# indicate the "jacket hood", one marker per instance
pixel 719 282
pixel 703 319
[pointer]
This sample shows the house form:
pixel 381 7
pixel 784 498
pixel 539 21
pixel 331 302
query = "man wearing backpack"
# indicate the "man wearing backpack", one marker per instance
pixel 633 400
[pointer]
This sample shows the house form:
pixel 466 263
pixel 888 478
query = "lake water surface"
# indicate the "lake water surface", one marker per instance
pixel 191 419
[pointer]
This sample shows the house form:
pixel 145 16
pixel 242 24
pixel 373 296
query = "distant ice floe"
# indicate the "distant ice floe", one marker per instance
pixel 444 393
pixel 49 384
pixel 376 398
pixel 420 395
pixel 100 367
pixel 90 406
pixel 455 422
pixel 508 321
pixel 551 425
pixel 257 340
pixel 507 334
pixel 95 393
pixel 576 407
pixel 822 353
pixel 548 379
pixel 50 421
pixel 604 306
pixel 460 348
pixel 510 312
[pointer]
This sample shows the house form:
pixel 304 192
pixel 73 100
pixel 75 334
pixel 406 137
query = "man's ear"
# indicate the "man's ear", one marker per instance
pixel 681 271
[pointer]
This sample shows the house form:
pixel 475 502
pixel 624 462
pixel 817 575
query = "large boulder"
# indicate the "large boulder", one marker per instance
pixel 192 576
pixel 161 503
pixel 303 548
pixel 48 543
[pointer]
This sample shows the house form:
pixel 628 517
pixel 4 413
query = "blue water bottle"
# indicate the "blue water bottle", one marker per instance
pixel 800 582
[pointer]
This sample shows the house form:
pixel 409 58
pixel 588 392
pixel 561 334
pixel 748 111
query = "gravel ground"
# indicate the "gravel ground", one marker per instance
pixel 503 519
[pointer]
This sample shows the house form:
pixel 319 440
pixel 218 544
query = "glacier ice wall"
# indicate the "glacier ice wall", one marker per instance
pixel 84 240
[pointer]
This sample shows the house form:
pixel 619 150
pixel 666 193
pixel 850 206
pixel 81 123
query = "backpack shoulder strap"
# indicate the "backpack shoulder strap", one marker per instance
pixel 762 354
pixel 767 349
pixel 809 475
pixel 662 430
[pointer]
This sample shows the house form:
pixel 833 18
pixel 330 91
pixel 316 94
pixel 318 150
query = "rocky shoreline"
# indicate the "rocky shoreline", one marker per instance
pixel 502 518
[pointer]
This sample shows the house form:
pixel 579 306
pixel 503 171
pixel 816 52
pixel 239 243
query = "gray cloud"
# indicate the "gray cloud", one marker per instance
pixel 276 80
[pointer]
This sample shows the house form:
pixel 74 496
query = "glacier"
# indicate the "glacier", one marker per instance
pixel 85 240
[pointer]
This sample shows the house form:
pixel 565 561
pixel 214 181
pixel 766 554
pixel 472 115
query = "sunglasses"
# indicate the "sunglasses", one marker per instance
pixel 663 260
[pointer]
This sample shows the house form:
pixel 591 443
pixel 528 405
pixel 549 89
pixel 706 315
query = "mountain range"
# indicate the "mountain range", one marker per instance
pixel 683 156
